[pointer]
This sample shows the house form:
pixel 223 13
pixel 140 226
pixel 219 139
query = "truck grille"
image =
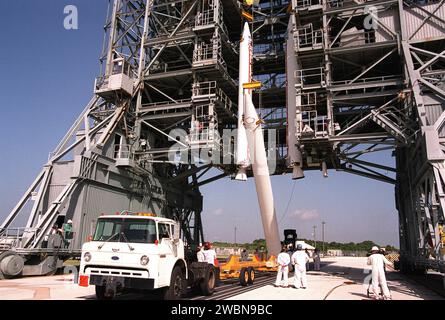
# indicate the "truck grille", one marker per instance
pixel 118 272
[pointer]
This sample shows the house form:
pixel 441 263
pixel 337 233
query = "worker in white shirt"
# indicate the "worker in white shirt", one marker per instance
pixel 378 262
pixel 210 254
pixel 299 260
pixel 283 261
pixel 200 254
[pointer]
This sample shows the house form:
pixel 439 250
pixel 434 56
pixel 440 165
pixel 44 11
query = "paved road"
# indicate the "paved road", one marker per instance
pixel 343 278
pixel 339 279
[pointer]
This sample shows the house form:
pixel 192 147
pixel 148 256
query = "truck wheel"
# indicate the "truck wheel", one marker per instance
pixel 244 277
pixel 420 271
pixel 196 289
pixel 101 293
pixel 177 285
pixel 404 268
pixel 251 273
pixel 207 284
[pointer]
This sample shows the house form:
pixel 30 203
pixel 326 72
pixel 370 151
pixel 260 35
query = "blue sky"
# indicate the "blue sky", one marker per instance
pixel 47 77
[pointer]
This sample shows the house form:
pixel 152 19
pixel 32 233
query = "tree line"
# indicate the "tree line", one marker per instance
pixel 260 244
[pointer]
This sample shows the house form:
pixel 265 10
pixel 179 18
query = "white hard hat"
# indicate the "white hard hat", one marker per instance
pixel 70 221
pixel 375 248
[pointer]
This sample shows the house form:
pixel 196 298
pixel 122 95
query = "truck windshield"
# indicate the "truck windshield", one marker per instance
pixel 123 230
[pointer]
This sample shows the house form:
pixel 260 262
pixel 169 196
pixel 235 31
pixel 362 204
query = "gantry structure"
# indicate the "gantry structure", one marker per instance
pixel 366 77
pixel 341 79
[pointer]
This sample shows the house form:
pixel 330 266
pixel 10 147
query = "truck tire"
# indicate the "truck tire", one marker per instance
pixel 244 277
pixel 100 293
pixel 207 284
pixel 251 273
pixel 420 270
pixel 177 285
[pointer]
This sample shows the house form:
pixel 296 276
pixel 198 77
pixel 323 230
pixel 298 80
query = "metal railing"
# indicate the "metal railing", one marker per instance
pixel 205 136
pixel 307 37
pixel 101 82
pixel 204 131
pixel 155 105
pixel 358 38
pixel 342 3
pixel 210 90
pixel 204 126
pixel 204 89
pixel 366 80
pixel 15 237
pixel 205 18
pixel 123 151
pixel 312 124
pixel 120 66
pixel 205 51
pixel 212 16
pixel 303 4
pixel 311 76
pixel 308 99
pixel 225 100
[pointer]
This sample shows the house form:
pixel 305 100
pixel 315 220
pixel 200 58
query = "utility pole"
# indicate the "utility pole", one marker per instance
pixel 315 241
pixel 322 233
pixel 235 236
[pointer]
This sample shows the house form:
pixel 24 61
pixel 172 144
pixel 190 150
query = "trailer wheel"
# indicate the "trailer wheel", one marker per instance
pixel 11 264
pixel 244 277
pixel 251 273
pixel 207 284
pixel 177 285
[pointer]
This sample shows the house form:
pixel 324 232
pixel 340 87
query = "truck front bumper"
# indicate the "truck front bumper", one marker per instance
pixel 123 282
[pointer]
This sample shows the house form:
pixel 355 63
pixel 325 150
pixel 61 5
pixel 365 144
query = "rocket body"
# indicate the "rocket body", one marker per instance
pixel 254 151
pixel 245 76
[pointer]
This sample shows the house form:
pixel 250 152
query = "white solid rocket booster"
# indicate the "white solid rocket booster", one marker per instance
pixel 251 149
pixel 245 76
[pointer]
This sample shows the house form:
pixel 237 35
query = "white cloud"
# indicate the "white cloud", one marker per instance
pixel 306 214
pixel 218 212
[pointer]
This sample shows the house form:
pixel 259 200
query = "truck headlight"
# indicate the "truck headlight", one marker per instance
pixel 87 257
pixel 144 260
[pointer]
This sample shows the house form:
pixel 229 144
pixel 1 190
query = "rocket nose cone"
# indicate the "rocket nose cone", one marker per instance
pixel 246 30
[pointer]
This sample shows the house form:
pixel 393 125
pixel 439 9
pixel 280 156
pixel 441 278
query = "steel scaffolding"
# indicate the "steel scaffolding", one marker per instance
pixel 340 79
pixel 368 77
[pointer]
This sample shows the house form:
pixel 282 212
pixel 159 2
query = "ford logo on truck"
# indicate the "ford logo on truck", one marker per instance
pixel 115 258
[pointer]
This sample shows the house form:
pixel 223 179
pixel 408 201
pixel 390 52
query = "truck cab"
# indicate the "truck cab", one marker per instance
pixel 134 252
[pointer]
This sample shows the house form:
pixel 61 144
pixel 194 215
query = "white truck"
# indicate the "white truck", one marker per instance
pixel 142 252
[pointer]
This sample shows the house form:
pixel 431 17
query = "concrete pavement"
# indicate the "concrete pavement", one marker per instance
pixel 340 278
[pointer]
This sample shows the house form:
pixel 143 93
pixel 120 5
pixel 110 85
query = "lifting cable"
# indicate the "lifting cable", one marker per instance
pixel 288 203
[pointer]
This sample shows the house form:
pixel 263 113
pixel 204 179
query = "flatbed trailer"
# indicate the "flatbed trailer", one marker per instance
pixel 245 270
